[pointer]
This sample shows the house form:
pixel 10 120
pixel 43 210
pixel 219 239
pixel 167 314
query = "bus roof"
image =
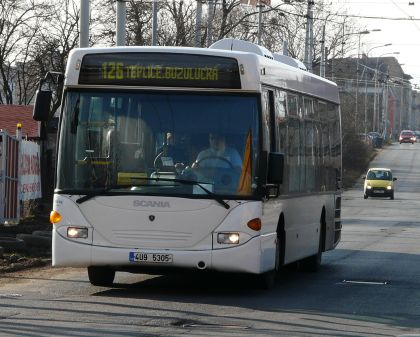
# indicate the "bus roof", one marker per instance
pixel 255 69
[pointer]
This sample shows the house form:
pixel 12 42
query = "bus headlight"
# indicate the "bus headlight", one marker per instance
pixel 77 232
pixel 369 187
pixel 228 238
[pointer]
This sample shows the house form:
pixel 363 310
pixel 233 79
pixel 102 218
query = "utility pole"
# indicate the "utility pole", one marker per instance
pixel 260 7
pixel 84 24
pixel 121 14
pixel 309 36
pixel 375 117
pixel 154 22
pixel 357 76
pixel 366 119
pixel 323 53
pixel 285 48
pixel 210 22
pixel 198 15
pixel 385 108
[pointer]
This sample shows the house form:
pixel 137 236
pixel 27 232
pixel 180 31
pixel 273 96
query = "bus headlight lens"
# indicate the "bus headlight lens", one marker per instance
pixel 389 187
pixel 77 232
pixel 228 238
pixel 368 187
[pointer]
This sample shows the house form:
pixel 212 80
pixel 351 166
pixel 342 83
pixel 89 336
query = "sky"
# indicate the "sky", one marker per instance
pixel 401 28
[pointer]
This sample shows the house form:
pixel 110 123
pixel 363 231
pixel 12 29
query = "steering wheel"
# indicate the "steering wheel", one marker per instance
pixel 197 163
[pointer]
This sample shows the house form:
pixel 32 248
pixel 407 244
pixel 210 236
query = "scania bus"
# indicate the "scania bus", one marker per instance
pixel 130 194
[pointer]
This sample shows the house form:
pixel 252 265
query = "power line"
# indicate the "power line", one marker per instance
pixel 377 17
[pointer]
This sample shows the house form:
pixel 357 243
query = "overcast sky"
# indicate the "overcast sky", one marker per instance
pixel 396 28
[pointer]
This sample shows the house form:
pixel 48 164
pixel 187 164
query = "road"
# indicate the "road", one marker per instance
pixel 368 286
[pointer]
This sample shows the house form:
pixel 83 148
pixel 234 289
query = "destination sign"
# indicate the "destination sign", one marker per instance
pixel 160 69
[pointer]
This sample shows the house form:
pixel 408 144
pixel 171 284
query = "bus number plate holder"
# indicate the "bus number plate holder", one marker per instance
pixel 150 257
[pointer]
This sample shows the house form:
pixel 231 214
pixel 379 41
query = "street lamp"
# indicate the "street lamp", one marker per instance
pixel 382 45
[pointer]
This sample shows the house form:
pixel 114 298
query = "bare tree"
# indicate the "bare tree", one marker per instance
pixel 181 16
pixel 19 21
pixel 55 40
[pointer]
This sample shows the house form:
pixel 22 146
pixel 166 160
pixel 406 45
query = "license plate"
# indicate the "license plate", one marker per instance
pixel 150 257
pixel 379 191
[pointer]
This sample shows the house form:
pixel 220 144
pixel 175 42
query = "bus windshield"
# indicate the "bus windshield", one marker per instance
pixel 158 143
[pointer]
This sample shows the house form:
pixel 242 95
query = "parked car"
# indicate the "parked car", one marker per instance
pixel 379 182
pixel 365 138
pixel 407 136
pixel 377 140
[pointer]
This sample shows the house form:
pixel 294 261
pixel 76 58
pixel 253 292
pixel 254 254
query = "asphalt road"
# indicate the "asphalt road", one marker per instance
pixel 368 286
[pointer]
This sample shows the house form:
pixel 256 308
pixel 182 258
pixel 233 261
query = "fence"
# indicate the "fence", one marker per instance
pixel 19 175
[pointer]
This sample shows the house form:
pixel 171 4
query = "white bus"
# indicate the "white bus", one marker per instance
pixel 140 188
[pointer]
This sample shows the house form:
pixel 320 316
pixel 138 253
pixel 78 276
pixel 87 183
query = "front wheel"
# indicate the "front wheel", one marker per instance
pixel 392 196
pixel 365 196
pixel 101 276
pixel 266 280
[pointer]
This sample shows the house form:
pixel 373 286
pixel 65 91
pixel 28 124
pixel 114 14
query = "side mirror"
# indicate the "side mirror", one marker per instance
pixel 364 177
pixel 41 111
pixel 394 179
pixel 275 168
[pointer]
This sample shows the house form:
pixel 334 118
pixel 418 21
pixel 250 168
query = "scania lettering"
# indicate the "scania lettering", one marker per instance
pixel 144 203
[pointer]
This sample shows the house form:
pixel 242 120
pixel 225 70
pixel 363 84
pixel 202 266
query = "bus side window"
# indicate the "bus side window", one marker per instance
pixel 266 120
pixel 280 120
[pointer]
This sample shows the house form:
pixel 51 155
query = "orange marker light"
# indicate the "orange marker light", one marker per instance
pixel 55 217
pixel 254 224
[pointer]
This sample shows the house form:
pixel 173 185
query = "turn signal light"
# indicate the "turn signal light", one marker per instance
pixel 55 217
pixel 254 224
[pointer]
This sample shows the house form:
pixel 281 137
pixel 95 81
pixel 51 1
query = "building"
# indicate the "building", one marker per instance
pixel 376 95
pixel 11 115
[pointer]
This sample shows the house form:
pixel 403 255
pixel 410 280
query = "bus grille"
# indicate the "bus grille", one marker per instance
pixel 151 236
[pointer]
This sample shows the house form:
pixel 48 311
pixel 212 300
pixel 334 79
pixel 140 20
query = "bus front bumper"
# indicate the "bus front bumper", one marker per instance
pixel 255 256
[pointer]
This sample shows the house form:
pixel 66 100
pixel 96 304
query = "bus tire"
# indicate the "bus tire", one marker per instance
pixel 313 262
pixel 101 276
pixel 266 281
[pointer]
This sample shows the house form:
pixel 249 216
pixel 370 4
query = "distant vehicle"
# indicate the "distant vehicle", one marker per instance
pixel 417 133
pixel 365 138
pixel 407 136
pixel 377 140
pixel 379 182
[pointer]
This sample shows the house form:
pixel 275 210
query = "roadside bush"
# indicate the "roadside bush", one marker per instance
pixel 356 158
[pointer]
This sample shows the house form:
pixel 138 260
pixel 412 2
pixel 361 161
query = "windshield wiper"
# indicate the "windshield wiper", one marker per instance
pixel 103 191
pixel 198 183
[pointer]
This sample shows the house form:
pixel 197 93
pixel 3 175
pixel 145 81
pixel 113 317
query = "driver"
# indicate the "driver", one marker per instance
pixel 218 154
